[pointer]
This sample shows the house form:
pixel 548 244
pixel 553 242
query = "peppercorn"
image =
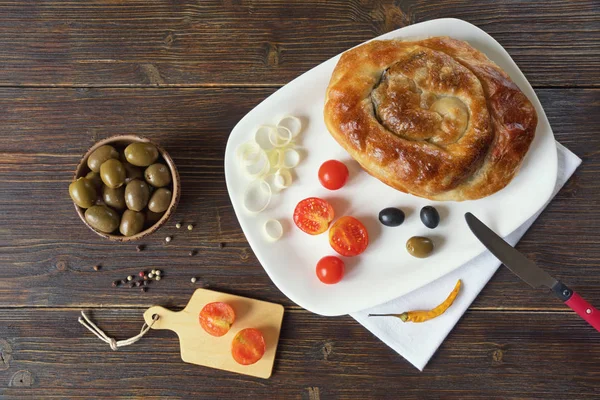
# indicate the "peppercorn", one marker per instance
pixel 130 278
pixel 158 272
pixel 178 225
pixel 142 274
pixel 145 283
pixel 190 227
pixel 168 239
pixel 139 247
pixel 157 277
pixel 150 275
pixel 192 253
pixel 193 280
pixel 97 267
pixel 221 245
pixel 131 284
pixel 138 283
pixel 116 283
pixel 122 281
pixel 144 289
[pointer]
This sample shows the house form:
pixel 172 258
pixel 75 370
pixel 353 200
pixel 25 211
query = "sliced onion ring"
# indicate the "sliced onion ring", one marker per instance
pixel 291 158
pixel 275 157
pixel 282 178
pixel 273 229
pixel 248 153
pixel 257 196
pixel 280 137
pixel 260 167
pixel 262 136
pixel 293 124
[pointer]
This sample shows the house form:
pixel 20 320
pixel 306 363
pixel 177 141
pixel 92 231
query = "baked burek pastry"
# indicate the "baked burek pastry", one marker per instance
pixel 435 118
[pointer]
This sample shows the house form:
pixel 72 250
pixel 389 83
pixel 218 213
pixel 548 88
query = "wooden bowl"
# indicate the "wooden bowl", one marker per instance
pixel 123 141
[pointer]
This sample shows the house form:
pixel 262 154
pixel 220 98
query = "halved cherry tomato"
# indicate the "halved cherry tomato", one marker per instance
pixel 216 318
pixel 348 236
pixel 330 269
pixel 248 346
pixel 313 215
pixel 333 174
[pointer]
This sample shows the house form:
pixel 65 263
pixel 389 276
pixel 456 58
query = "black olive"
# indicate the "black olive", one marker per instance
pixel 391 216
pixel 430 217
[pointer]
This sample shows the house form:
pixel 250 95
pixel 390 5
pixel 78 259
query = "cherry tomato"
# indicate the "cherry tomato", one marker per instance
pixel 216 318
pixel 333 174
pixel 248 346
pixel 348 236
pixel 330 270
pixel 313 215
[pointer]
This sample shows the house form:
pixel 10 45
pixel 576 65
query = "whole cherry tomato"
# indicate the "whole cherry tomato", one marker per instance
pixel 330 270
pixel 333 174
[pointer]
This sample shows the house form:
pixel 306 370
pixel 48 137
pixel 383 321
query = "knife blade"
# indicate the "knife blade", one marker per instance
pixel 520 265
pixel 529 272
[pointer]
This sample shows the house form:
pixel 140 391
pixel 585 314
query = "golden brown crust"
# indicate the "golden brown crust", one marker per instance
pixel 435 118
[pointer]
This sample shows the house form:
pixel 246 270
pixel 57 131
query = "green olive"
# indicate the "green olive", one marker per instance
pixel 102 218
pixel 141 154
pixel 158 175
pixel 83 192
pixel 94 177
pixel 132 222
pixel 137 194
pixel 160 200
pixel 100 155
pixel 114 198
pixel 132 172
pixel 152 218
pixel 419 246
pixel 112 173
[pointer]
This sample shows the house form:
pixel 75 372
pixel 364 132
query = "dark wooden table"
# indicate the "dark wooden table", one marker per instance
pixel 183 72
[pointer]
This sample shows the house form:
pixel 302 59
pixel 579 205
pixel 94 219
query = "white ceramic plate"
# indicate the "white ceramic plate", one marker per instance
pixel 385 271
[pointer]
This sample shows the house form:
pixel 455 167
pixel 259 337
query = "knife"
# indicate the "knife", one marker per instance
pixel 533 275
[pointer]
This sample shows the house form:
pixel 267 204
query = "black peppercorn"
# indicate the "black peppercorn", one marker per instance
pixel 97 267
pixel 116 283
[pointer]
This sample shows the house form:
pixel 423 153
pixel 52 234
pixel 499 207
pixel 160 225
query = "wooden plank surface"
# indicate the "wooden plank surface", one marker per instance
pixel 488 355
pixel 183 72
pixel 190 42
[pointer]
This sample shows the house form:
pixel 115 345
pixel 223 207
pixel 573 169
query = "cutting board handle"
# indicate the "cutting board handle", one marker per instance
pixel 167 319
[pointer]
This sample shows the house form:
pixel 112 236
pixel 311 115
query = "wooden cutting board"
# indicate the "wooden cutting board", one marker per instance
pixel 198 347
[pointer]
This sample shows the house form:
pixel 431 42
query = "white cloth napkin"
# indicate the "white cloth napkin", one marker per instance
pixel 418 342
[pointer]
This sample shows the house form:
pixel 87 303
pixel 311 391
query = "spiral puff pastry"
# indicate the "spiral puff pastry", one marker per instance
pixel 435 118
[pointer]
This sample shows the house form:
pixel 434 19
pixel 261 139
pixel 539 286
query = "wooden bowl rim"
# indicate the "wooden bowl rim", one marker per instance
pixel 82 166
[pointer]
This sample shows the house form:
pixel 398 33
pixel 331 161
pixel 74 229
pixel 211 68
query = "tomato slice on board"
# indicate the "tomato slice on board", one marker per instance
pixel 216 318
pixel 330 270
pixel 348 236
pixel 248 346
pixel 313 215
pixel 333 174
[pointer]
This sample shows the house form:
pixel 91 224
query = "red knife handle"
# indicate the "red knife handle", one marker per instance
pixel 577 304
pixel 585 310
